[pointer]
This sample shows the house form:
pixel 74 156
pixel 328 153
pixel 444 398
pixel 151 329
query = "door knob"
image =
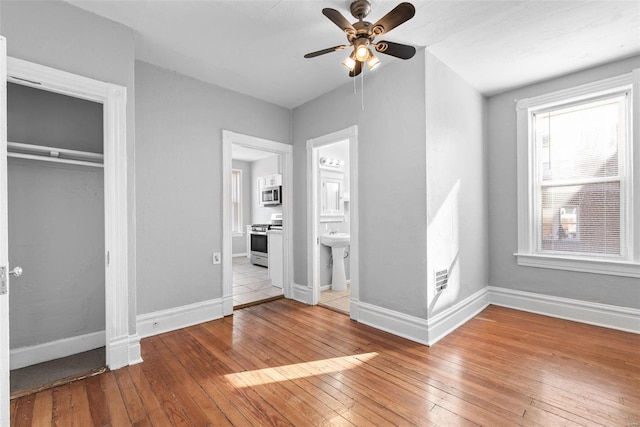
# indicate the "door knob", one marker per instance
pixel 17 271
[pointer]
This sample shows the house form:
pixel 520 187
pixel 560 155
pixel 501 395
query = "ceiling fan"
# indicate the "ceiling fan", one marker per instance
pixel 361 35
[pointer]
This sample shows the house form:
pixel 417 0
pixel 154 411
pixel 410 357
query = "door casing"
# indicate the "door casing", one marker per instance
pixel 122 348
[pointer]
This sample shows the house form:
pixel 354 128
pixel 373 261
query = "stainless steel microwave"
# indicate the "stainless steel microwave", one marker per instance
pixel 271 196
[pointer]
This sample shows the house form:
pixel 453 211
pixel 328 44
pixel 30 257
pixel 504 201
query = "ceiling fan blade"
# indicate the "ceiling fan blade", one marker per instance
pixel 398 15
pixel 323 51
pixel 356 70
pixel 337 18
pixel 398 50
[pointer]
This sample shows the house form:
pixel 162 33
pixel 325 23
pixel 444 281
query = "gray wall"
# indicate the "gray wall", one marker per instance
pixel 179 123
pixel 503 237
pixel 56 234
pixel 40 117
pixel 239 243
pixel 58 35
pixel 457 233
pixel 392 177
pixel 56 220
pixel 260 168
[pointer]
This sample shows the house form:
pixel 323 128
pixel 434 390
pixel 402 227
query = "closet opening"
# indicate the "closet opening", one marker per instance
pixel 56 208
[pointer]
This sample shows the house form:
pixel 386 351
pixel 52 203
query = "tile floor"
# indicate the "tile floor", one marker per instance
pixel 338 301
pixel 251 283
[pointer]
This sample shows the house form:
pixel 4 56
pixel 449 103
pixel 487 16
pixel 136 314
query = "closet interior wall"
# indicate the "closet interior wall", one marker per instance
pixel 56 219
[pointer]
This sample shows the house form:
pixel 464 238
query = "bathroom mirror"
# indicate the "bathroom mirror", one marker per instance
pixel 331 196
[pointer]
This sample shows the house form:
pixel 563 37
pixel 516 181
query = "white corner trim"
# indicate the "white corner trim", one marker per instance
pixel 162 321
pixel 450 319
pixel 302 294
pixel 608 316
pixel 396 323
pixel 424 331
pixel 30 355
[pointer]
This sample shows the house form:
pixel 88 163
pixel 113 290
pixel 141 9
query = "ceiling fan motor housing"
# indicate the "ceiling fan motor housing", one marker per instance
pixel 360 9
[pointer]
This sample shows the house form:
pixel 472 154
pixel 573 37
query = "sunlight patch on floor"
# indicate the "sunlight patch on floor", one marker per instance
pixel 299 370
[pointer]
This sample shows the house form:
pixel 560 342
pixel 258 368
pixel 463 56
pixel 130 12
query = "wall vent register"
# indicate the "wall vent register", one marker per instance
pixel 441 279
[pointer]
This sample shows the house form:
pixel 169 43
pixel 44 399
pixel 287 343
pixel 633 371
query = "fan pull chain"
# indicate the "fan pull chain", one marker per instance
pixel 362 87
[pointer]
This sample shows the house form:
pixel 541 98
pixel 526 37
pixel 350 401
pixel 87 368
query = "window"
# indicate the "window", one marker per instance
pixel 236 202
pixel 575 179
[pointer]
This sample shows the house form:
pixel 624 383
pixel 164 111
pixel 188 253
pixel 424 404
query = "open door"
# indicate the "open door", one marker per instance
pixel 4 246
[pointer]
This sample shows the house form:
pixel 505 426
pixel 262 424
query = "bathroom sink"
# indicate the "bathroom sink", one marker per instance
pixel 337 240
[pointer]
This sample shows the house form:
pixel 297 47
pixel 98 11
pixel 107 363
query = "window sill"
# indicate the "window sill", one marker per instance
pixel 237 234
pixel 585 265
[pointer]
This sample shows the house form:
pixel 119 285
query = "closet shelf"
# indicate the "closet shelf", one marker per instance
pixel 54 154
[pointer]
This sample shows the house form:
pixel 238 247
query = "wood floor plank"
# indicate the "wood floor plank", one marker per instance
pixel 13 411
pixel 96 397
pixel 233 404
pixel 42 408
pixel 135 408
pixel 80 411
pixel 284 363
pixel 24 410
pixel 113 400
pixel 308 405
pixel 61 406
pixel 199 408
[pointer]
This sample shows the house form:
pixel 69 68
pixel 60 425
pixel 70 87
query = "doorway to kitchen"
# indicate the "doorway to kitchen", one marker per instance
pixel 332 220
pixel 256 226
pixel 257 182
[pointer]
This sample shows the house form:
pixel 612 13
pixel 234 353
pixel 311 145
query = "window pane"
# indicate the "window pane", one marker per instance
pixel 581 218
pixel 580 141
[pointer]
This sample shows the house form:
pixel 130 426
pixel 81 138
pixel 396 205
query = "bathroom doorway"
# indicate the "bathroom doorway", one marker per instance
pixel 333 220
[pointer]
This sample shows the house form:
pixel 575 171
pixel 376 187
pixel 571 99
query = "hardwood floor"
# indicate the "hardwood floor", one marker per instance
pixel 284 363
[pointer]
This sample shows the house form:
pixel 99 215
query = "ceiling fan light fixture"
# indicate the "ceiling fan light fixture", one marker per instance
pixel 373 61
pixel 350 61
pixel 362 49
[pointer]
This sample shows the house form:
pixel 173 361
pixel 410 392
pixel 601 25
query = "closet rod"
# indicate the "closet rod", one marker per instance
pixel 54 159
pixel 54 154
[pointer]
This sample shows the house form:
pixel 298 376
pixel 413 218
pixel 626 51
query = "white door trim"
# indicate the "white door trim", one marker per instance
pixel 313 255
pixel 4 241
pixel 285 151
pixel 122 348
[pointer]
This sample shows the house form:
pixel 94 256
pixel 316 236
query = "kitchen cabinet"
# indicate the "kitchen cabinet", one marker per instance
pixel 274 242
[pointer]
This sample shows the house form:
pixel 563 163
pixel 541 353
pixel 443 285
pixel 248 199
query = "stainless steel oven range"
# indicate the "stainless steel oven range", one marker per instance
pixel 260 240
pixel 259 244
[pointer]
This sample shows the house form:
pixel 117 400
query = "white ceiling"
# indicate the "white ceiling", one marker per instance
pixel 239 152
pixel 257 47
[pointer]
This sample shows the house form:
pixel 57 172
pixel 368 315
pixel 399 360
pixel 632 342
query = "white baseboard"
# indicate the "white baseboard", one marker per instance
pixel 424 331
pixel 608 316
pixel 406 326
pixel 162 321
pixel 302 294
pixel 27 356
pixel 135 354
pixel 447 321
pixel 239 255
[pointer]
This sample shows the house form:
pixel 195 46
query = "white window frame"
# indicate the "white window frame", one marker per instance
pixel 628 264
pixel 239 231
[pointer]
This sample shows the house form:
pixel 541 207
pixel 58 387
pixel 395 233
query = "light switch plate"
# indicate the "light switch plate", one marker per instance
pixel 216 257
